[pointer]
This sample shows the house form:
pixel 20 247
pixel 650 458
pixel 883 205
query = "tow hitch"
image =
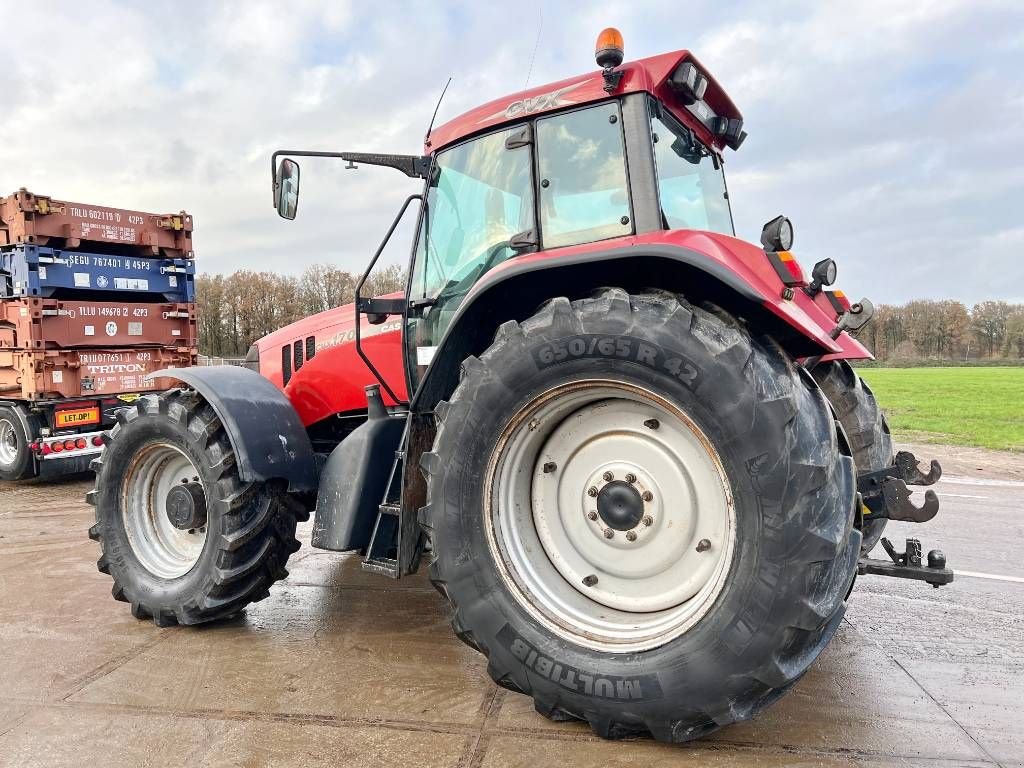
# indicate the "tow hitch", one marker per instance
pixel 884 494
pixel 908 565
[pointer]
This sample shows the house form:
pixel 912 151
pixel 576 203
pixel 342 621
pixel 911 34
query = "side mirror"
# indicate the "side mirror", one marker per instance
pixel 286 189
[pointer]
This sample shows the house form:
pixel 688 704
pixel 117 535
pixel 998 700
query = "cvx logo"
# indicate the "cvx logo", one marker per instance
pixel 527 106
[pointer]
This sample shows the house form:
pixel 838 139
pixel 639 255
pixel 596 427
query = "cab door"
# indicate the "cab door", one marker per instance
pixel 478 212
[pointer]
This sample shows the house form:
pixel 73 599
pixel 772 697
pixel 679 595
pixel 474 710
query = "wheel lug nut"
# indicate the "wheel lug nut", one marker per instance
pixel 591 491
pixel 608 477
pixel 550 467
pixel 630 535
pixel 609 533
pixel 703 545
pixel 589 581
pixel 652 423
pixel 648 521
pixel 648 496
pixel 592 515
pixel 630 478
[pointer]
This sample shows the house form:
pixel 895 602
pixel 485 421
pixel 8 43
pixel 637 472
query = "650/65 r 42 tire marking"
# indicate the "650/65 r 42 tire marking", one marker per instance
pixel 623 348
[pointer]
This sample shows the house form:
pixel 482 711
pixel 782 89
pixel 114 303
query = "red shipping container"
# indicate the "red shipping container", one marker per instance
pixel 55 323
pixel 41 220
pixel 37 375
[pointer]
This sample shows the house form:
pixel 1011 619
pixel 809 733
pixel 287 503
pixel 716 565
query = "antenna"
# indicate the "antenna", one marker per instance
pixel 536 44
pixel 426 139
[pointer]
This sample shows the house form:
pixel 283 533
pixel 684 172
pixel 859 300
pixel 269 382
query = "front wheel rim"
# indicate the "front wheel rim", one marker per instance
pixel 163 550
pixel 609 515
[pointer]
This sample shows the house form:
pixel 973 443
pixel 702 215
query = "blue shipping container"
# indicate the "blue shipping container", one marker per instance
pixel 31 270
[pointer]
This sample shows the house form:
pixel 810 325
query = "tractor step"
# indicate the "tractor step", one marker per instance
pixel 382 553
pixel 908 564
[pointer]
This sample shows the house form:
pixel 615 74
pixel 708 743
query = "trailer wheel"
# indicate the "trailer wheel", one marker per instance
pixel 864 424
pixel 184 538
pixel 16 461
pixel 641 515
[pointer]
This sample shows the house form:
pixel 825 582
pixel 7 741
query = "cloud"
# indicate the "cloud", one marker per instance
pixel 892 133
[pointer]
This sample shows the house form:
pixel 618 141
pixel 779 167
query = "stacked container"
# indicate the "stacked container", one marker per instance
pixel 92 300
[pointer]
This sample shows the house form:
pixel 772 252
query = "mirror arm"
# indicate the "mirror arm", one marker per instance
pixel 414 166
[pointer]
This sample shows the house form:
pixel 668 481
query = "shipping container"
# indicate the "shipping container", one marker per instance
pixel 33 324
pixel 31 270
pixel 30 219
pixel 37 375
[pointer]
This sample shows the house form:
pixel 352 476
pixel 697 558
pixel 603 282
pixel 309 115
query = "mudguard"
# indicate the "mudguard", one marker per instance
pixel 354 479
pixel 716 268
pixel 265 431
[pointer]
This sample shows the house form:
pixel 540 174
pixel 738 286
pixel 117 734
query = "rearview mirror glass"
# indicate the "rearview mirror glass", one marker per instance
pixel 286 189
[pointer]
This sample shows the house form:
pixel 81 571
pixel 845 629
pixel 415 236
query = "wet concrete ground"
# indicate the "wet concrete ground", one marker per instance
pixel 338 667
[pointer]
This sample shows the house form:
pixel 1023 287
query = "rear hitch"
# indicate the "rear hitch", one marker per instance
pixel 885 493
pixel 908 565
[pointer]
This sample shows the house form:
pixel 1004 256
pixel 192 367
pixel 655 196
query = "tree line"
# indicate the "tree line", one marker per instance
pixel 946 330
pixel 236 309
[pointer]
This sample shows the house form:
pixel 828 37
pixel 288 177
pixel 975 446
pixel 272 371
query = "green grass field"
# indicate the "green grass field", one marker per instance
pixel 961 406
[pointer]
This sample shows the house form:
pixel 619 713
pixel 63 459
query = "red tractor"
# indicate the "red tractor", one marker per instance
pixel 631 445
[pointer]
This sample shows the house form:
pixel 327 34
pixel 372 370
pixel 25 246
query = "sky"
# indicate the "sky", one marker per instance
pixel 890 133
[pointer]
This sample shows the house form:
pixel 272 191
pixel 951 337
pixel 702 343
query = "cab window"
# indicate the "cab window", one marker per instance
pixel 480 196
pixel 691 181
pixel 582 168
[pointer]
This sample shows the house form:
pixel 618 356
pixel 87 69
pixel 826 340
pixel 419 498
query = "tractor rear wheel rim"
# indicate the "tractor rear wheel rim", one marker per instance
pixel 8 443
pixel 610 515
pixel 162 549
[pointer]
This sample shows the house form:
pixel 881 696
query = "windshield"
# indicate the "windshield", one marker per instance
pixel 690 178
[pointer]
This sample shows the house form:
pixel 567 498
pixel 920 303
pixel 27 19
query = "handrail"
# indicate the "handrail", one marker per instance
pixel 359 299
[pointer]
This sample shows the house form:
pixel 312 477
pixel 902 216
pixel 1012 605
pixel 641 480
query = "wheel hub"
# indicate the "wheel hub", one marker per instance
pixel 620 506
pixel 186 506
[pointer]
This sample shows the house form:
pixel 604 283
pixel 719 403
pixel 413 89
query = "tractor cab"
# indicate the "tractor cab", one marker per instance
pixel 593 161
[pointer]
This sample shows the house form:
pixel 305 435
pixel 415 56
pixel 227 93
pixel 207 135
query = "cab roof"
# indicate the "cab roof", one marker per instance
pixel 651 75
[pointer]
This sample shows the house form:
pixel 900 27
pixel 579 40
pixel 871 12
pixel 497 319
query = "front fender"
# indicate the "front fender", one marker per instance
pixel 266 433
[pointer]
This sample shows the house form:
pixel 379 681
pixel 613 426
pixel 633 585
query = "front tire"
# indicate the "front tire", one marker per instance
pixel 185 540
pixel 765 570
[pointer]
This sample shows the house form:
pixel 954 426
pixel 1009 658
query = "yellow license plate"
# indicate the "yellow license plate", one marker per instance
pixel 77 417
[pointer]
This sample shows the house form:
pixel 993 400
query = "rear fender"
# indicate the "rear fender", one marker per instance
pixel 266 433
pixel 515 290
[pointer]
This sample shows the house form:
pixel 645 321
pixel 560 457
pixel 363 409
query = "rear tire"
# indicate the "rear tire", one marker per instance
pixel 169 574
pixel 864 424
pixel 16 462
pixel 670 673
